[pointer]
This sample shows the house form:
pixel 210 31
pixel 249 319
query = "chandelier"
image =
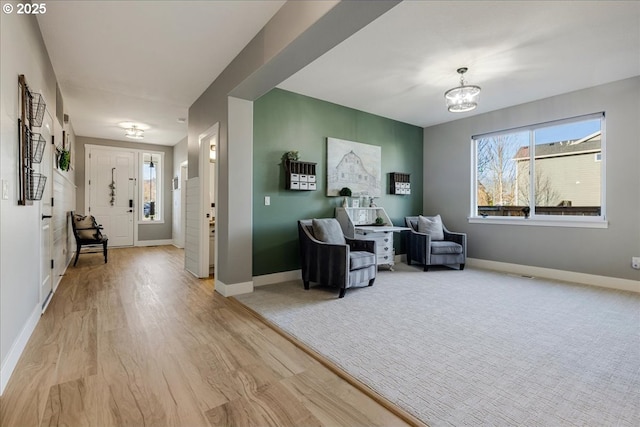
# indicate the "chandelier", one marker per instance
pixel 134 132
pixel 464 97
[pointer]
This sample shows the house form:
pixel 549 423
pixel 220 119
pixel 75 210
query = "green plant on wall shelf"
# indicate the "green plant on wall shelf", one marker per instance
pixel 289 156
pixel 64 159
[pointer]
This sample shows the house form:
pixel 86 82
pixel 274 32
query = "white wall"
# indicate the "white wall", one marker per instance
pixel 601 252
pixel 22 52
pixel 179 157
pixel 64 194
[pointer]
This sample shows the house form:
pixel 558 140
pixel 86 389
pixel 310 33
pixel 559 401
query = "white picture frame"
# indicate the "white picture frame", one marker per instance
pixel 354 165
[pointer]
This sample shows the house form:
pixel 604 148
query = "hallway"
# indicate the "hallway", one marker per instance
pixel 139 342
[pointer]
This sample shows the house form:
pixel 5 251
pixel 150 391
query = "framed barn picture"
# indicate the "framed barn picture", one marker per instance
pixel 354 165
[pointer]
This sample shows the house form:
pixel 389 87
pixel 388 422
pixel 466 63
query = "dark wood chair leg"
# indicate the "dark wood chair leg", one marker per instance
pixel 426 268
pixel 462 266
pixel 342 292
pixel 371 282
pixel 78 247
pixel 306 285
pixel 104 250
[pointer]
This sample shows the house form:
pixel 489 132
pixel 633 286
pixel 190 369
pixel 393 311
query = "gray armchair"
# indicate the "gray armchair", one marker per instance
pixel 435 247
pixel 329 258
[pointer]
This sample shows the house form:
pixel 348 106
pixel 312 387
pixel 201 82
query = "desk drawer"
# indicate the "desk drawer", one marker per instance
pixel 384 248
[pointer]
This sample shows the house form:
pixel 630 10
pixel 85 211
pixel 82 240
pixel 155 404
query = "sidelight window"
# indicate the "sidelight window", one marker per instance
pixel 151 187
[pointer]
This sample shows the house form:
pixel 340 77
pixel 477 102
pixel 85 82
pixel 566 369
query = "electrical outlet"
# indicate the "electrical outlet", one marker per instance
pixel 635 262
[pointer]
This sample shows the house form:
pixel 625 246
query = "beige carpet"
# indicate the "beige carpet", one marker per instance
pixel 475 347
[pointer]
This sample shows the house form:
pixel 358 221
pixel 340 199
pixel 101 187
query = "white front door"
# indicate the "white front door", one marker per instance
pixel 46 259
pixel 112 207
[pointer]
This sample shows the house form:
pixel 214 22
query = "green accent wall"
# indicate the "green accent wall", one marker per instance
pixel 286 121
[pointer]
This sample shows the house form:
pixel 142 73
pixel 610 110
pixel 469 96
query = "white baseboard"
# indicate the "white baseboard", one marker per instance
pixel 233 289
pixel 55 286
pixel 10 362
pixel 550 273
pixel 163 242
pixel 527 270
pixel 284 276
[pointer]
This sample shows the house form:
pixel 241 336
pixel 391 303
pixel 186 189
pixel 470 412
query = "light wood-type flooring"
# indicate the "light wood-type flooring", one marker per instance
pixel 141 342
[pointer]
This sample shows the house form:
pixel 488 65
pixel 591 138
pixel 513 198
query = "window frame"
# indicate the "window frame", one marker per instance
pixel 160 190
pixel 599 221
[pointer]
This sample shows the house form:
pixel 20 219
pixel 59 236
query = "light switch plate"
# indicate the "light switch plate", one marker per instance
pixel 267 200
pixel 5 190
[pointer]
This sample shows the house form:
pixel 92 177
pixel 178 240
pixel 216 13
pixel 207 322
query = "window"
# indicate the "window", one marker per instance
pixel 151 187
pixel 546 172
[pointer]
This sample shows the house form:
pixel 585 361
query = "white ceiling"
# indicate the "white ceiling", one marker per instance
pixel 143 61
pixel 518 51
pixel 148 61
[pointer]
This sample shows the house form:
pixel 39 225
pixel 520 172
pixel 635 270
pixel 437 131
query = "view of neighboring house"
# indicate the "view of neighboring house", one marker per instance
pixel 567 173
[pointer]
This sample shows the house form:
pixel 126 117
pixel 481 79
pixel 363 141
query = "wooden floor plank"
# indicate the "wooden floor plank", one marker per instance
pixel 273 406
pixel 332 402
pixel 140 342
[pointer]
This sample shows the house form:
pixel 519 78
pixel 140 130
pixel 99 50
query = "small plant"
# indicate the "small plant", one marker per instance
pixel 64 160
pixel 379 221
pixel 289 156
pixel 345 191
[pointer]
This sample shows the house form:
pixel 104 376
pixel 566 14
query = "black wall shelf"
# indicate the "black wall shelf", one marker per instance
pixel 300 176
pixel 399 183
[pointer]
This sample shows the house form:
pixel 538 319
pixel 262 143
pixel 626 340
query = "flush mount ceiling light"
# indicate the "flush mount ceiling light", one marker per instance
pixel 464 97
pixel 134 132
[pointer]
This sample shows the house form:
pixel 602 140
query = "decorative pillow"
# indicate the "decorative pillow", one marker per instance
pixel 87 227
pixel 328 230
pixel 84 221
pixel 431 225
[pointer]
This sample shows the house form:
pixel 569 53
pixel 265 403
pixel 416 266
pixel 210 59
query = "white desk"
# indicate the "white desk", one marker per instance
pixel 353 220
pixel 383 235
pixel 381 228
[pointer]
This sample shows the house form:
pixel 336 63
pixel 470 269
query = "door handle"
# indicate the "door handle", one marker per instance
pixel 47 216
pixel 130 210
